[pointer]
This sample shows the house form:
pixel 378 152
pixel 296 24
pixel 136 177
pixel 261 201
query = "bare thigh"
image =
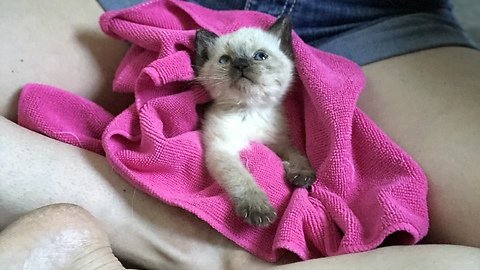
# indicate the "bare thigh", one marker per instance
pixel 429 103
pixel 36 171
pixel 59 43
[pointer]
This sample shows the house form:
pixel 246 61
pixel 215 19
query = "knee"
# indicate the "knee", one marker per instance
pixel 59 235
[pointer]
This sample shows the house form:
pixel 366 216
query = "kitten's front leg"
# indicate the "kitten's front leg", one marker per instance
pixel 251 202
pixel 298 170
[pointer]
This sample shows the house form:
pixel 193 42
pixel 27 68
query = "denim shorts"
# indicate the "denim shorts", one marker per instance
pixel 364 31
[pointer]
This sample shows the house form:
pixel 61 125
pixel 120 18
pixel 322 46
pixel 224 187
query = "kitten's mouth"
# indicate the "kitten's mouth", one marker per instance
pixel 242 81
pixel 244 77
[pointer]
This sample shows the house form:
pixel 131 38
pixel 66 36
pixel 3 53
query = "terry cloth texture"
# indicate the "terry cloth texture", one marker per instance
pixel 363 31
pixel 369 192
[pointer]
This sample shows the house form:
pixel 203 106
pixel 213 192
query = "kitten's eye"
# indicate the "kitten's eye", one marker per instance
pixel 224 59
pixel 260 55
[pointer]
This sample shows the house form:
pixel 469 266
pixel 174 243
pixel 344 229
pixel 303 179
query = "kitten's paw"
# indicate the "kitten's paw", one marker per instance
pixel 256 210
pixel 299 177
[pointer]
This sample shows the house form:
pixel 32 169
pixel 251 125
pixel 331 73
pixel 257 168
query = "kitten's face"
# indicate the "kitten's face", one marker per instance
pixel 248 67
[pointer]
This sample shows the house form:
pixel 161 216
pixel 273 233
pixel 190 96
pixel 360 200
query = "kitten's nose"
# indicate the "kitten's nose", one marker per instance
pixel 241 64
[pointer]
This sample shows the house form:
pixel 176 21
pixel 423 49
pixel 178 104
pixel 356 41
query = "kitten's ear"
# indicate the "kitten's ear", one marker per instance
pixel 282 28
pixel 203 40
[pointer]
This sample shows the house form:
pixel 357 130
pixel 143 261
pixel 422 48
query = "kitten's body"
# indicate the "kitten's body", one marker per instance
pixel 247 74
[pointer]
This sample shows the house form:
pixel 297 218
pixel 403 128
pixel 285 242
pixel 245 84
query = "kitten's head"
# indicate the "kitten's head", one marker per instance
pixel 250 66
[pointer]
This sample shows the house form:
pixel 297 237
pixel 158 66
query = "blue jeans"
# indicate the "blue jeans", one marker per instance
pixel 364 31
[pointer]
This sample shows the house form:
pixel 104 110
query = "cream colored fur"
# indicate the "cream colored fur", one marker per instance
pixel 248 109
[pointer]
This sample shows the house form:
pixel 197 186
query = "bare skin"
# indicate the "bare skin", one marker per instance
pixel 425 101
pixel 141 229
pixel 61 39
pixel 65 236
pixel 58 236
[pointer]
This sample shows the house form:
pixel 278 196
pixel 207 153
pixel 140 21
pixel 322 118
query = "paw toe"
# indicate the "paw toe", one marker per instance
pixel 257 214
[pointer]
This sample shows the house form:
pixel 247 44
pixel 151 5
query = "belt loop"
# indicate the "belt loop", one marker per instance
pixel 248 3
pixel 285 8
pixel 291 8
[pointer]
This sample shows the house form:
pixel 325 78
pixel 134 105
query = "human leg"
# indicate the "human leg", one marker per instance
pixel 427 102
pixel 64 236
pixel 426 257
pixel 58 43
pixel 38 171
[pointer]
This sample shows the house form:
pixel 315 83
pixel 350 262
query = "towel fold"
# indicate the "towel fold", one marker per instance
pixel 369 192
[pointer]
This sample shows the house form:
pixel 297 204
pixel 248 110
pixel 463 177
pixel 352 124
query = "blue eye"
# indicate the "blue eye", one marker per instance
pixel 260 55
pixel 224 59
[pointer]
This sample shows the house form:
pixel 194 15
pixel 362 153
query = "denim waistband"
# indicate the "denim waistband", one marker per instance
pixel 364 31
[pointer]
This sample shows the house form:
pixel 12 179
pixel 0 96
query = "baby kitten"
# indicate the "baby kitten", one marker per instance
pixel 248 73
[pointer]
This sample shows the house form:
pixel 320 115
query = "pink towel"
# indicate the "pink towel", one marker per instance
pixel 369 192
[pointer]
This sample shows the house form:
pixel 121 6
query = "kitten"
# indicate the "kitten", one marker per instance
pixel 248 73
